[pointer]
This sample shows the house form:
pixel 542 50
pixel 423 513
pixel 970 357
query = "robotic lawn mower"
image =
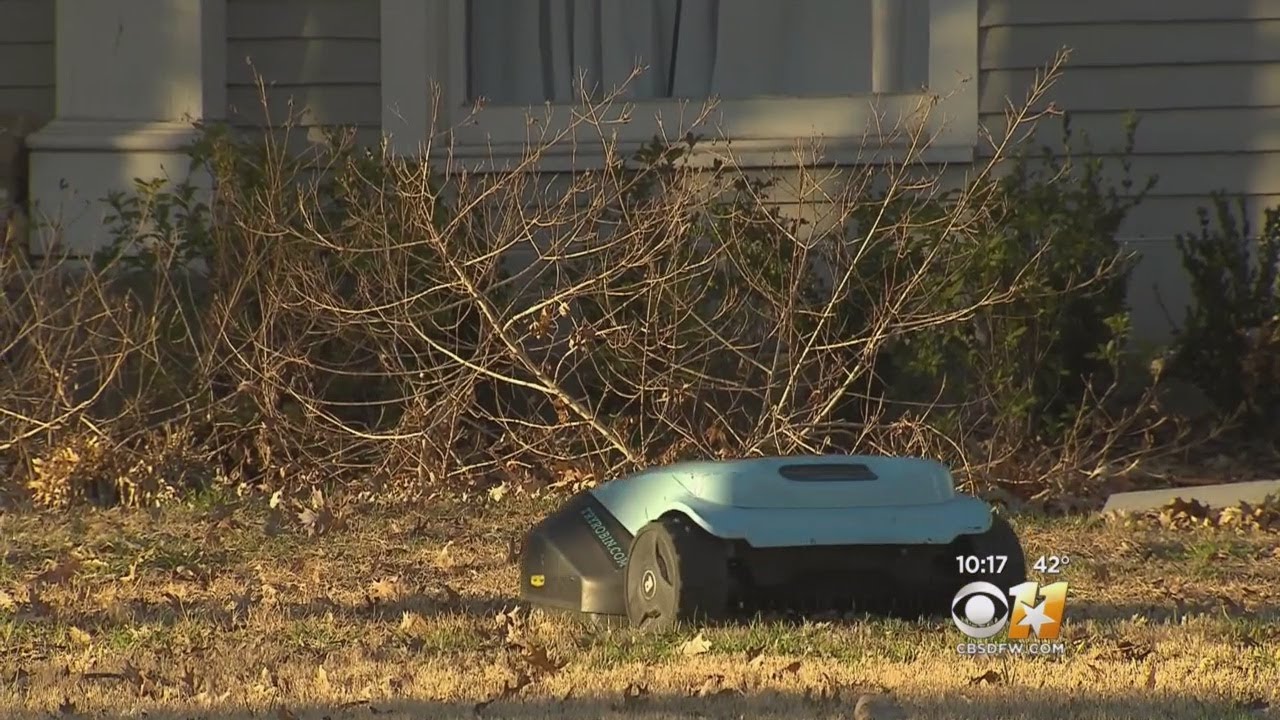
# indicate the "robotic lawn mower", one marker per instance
pixel 704 540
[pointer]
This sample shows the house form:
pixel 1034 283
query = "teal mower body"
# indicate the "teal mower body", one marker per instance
pixel 706 540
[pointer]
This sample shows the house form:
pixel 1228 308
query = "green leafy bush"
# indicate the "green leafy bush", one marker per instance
pixel 1024 367
pixel 1230 338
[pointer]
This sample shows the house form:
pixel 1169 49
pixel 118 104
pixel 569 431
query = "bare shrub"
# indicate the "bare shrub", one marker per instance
pixel 346 314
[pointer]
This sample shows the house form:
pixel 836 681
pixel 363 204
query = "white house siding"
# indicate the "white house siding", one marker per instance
pixel 1204 79
pixel 323 55
pixel 26 79
pixel 26 57
pixel 1203 76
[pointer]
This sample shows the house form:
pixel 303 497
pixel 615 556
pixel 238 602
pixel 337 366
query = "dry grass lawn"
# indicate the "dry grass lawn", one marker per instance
pixel 221 611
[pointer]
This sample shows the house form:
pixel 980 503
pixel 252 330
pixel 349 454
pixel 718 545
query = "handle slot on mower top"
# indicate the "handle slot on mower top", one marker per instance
pixel 828 472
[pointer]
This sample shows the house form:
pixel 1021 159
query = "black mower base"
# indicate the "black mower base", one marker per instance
pixel 582 561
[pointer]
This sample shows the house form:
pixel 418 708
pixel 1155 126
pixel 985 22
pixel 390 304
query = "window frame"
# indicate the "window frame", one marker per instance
pixel 424 78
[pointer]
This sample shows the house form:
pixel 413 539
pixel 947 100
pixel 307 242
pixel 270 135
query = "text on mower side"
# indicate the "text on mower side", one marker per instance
pixel 611 545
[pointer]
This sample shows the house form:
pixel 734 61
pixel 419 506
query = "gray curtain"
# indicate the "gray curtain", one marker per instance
pixel 531 51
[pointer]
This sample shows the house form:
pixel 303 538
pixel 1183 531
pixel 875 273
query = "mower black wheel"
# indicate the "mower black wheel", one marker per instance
pixel 1000 540
pixel 677 572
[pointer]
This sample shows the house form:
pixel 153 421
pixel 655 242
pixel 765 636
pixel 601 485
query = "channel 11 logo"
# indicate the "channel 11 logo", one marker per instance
pixel 980 610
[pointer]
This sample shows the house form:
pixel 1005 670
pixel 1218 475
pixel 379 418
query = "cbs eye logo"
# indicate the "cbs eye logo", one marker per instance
pixel 980 610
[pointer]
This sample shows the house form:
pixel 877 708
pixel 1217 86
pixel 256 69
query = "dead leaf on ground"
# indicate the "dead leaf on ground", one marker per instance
pixel 267 681
pixel 514 546
pixel 509 626
pixel 79 637
pixel 317 516
pixel 1231 604
pixel 413 624
pixel 59 573
pixel 542 664
pixel 497 492
pixel 192 685
pixel 141 680
pixel 697 646
pixel 241 603
pixel 790 668
pixel 713 686
pixel 1134 651
pixel 990 677
pixel 509 689
pixel 132 575
pixel 386 590
pixel 634 693
pixel 708 686
pixel 1181 513
pixel 755 654
pixel 828 692
pixel 451 596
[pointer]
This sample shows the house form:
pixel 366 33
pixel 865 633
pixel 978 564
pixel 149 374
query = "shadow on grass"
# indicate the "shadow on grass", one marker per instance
pixel 1014 703
pixel 230 614
pixel 1163 611
pixel 225 615
pixel 431 599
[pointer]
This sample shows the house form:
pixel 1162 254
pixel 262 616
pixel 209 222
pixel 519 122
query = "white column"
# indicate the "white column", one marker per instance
pixel 408 54
pixel 419 39
pixel 953 73
pixel 887 29
pixel 132 77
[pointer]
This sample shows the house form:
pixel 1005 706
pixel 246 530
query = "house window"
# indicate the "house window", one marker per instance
pixel 781 71
pixel 520 52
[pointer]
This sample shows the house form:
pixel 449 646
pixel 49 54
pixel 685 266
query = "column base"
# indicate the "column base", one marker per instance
pixel 76 164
